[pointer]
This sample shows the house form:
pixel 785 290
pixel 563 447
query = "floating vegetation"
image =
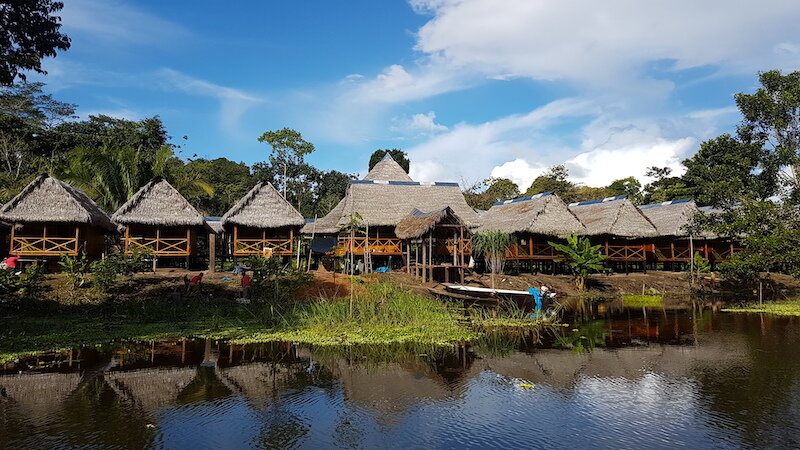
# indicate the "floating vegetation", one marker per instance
pixel 642 301
pixel 787 308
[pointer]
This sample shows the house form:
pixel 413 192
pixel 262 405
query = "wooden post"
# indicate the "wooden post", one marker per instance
pixel 158 239
pixel 430 253
pixel 44 238
pixel 456 243
pixel 77 238
pixel 235 238
pixel 212 252
pixel 13 232
pixel 424 259
pixel 127 238
pixel 291 243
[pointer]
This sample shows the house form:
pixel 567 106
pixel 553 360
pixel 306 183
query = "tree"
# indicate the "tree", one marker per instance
pixel 288 149
pixel 727 171
pixel 771 119
pixel 492 245
pixel 27 117
pixel 29 31
pixel 627 186
pixel 554 180
pixel 581 256
pixel 665 187
pixel 398 155
pixel 501 189
pixel 586 193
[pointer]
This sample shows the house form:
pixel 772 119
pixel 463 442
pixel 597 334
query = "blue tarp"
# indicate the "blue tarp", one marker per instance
pixel 324 244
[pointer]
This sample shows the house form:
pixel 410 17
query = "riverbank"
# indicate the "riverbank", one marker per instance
pixel 783 308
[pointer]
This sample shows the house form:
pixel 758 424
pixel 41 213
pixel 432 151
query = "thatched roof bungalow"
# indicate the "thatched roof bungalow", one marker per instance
pixel 383 198
pixel 52 218
pixel 443 238
pixel 534 220
pixel 618 225
pixel 160 220
pixel 263 221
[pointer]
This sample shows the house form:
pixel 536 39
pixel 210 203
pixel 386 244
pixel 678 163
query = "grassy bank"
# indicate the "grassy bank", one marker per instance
pixel 787 308
pixel 379 313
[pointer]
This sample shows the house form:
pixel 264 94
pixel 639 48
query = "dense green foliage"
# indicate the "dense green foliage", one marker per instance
pixel 398 155
pixel 272 280
pixel 581 257
pixel 29 31
pixel 492 246
pixel 25 285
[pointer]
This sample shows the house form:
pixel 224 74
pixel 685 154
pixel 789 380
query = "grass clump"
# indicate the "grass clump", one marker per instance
pixel 787 308
pixel 643 301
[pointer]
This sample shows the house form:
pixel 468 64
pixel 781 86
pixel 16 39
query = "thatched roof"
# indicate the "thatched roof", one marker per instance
pixel 38 396
pixel 540 214
pixel 263 207
pixel 158 203
pixel 386 203
pixel 47 199
pixel 151 389
pixel 671 218
pixel 418 223
pixel 387 169
pixel 615 216
pixel 214 224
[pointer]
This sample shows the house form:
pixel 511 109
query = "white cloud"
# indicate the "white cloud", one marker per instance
pixel 396 84
pixel 112 22
pixel 520 171
pixel 234 103
pixel 611 43
pixel 420 124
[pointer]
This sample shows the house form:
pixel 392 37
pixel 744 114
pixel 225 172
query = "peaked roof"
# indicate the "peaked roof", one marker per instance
pixel 47 199
pixel 615 216
pixel 263 207
pixel 158 203
pixel 671 218
pixel 387 169
pixel 418 223
pixel 384 203
pixel 544 214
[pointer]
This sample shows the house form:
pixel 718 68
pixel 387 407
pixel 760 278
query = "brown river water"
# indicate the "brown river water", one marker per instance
pixel 623 378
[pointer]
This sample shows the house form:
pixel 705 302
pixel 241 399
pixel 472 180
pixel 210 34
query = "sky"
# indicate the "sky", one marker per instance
pixel 469 88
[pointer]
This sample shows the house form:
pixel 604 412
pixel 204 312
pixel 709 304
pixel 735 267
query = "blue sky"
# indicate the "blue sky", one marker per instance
pixel 470 88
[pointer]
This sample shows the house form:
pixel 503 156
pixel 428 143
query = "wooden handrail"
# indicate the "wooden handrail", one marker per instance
pixel 158 246
pixel 377 246
pixel 279 246
pixel 43 246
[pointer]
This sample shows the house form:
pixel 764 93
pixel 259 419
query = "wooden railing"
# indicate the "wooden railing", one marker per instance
pixel 464 246
pixel 532 250
pixel 673 253
pixel 377 246
pixel 722 253
pixel 624 252
pixel 44 246
pixel 279 246
pixel 158 246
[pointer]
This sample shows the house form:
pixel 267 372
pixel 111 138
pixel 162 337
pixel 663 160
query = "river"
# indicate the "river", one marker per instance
pixel 616 378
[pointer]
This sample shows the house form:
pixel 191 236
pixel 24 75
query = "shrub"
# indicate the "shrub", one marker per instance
pixel 26 284
pixel 582 258
pixel 105 271
pixel 77 269
pixel 274 281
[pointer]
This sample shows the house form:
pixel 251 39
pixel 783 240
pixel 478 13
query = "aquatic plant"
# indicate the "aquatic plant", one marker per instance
pixel 643 301
pixel 785 308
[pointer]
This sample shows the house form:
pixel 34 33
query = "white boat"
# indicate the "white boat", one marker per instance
pixel 485 292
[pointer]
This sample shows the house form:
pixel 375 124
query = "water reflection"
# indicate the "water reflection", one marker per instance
pixel 641 378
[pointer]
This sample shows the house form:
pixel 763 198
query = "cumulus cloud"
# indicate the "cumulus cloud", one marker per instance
pixel 520 171
pixel 608 43
pixel 234 103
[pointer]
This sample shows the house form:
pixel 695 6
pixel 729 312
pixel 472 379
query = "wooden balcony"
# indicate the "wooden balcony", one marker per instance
pixel 633 252
pixel 158 246
pixel 44 246
pixel 464 246
pixel 377 246
pixel 675 253
pixel 532 250
pixel 279 246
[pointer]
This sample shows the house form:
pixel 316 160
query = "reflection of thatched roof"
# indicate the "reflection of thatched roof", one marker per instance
pixel 541 214
pixel 263 207
pixel 615 216
pixel 671 218
pixel 258 382
pixel 158 203
pixel 418 223
pixel 387 169
pixel 38 396
pixel 47 199
pixel 151 389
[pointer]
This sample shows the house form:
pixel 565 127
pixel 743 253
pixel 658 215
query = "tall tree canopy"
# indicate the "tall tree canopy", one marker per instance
pixel 29 31
pixel 288 151
pixel 556 180
pixel 398 155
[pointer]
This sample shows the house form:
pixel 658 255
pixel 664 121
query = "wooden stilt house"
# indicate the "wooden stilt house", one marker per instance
pixel 378 203
pixel 441 241
pixel 617 225
pixel 533 221
pixel 159 220
pixel 50 218
pixel 263 223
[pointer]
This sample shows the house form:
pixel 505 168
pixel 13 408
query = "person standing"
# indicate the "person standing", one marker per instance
pixel 247 281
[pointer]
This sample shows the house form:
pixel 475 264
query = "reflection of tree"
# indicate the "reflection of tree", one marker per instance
pixel 585 337
pixel 282 429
